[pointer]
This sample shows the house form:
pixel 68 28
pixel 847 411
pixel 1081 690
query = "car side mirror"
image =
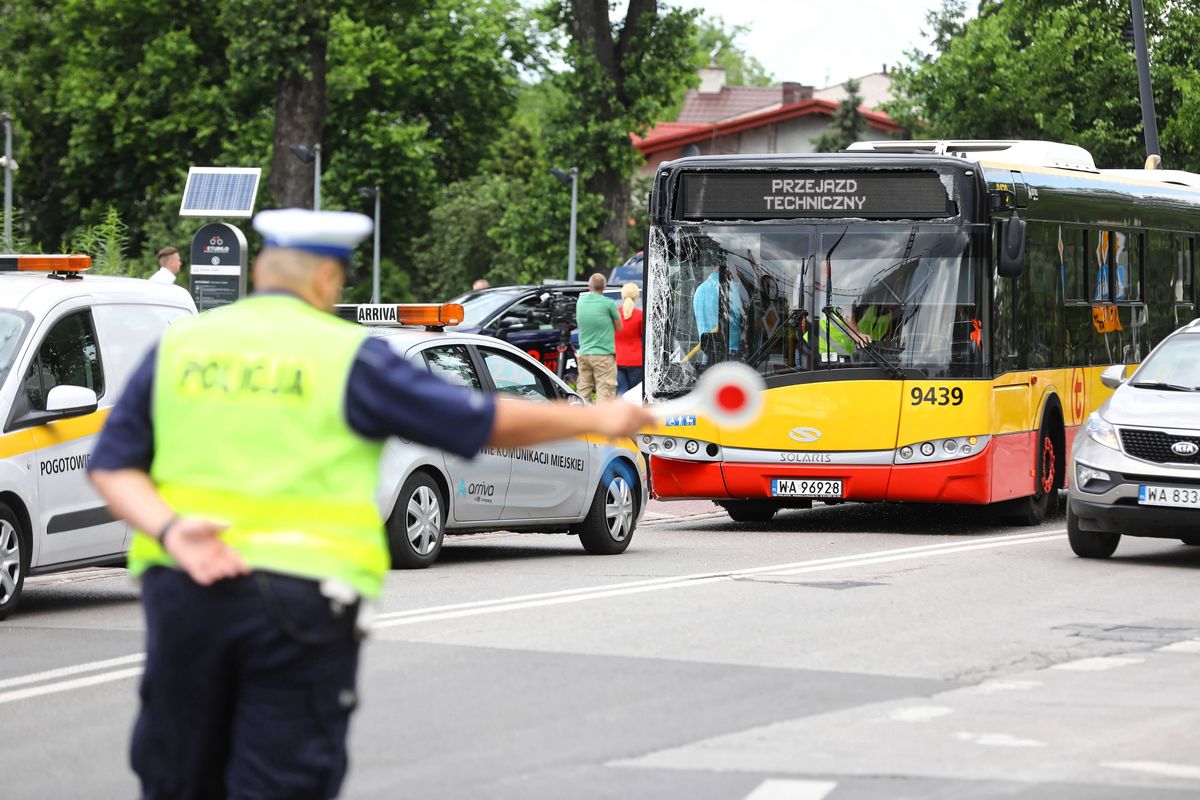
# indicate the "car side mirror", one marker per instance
pixel 1011 252
pixel 1113 376
pixel 71 401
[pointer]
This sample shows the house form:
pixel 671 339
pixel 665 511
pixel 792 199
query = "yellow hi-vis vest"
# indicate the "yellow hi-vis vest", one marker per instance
pixel 833 339
pixel 250 430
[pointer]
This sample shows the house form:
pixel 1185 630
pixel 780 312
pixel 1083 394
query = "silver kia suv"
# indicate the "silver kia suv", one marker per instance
pixel 1137 461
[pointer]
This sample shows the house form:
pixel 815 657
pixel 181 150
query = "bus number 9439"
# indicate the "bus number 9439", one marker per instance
pixel 937 396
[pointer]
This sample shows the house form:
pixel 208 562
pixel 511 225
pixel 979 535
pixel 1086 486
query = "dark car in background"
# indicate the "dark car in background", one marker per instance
pixel 632 271
pixel 539 319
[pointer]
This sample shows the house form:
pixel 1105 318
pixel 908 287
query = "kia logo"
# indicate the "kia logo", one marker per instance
pixel 1185 448
pixel 804 435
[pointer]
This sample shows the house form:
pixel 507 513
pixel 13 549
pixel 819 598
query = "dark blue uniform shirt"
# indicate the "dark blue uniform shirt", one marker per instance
pixel 386 395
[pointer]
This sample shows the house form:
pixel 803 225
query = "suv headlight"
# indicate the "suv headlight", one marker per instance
pixel 1101 432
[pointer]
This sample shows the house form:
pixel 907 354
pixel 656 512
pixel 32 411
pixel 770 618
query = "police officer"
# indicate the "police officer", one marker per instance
pixel 245 453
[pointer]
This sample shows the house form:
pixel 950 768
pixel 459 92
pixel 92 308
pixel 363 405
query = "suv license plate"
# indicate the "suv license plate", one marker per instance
pixel 805 487
pixel 1174 496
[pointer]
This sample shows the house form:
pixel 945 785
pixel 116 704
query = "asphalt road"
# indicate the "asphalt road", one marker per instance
pixel 842 652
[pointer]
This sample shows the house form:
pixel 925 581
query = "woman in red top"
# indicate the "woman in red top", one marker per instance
pixel 629 341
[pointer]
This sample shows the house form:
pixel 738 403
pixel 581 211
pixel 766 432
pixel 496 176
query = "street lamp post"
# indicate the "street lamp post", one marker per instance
pixel 311 156
pixel 9 166
pixel 572 178
pixel 377 194
pixel 1149 123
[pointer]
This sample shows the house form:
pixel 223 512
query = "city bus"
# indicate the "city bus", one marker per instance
pixel 930 317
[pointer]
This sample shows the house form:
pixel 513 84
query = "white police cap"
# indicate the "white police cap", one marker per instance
pixel 327 233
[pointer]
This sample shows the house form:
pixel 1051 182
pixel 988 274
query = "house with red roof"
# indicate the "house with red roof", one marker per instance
pixel 717 119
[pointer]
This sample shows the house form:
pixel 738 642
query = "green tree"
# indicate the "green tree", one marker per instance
pixel 847 124
pixel 622 77
pixel 1059 70
pixel 114 99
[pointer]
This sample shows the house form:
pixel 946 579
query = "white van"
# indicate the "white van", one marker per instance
pixel 68 344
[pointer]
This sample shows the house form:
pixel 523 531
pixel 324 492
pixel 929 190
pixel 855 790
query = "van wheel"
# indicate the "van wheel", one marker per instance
pixel 418 523
pixel 608 527
pixel 750 510
pixel 1089 544
pixel 1032 510
pixel 14 559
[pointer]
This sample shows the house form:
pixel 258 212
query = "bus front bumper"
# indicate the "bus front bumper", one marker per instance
pixel 963 480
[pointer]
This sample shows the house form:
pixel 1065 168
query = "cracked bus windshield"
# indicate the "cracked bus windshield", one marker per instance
pixel 893 297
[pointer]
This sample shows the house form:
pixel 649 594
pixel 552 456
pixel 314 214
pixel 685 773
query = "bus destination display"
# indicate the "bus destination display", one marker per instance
pixel 784 195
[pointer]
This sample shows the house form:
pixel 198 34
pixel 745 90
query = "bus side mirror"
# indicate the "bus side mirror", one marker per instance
pixel 1011 262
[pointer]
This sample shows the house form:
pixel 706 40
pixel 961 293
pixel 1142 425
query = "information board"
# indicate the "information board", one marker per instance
pixel 218 265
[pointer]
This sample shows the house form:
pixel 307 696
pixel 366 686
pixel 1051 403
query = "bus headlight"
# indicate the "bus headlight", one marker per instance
pixel 949 449
pixel 680 449
pixel 1101 431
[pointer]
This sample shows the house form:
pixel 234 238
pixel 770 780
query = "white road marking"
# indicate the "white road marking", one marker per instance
pixel 1188 646
pixel 997 685
pixel 997 739
pixel 64 686
pixel 1098 664
pixel 55 674
pixel 1156 768
pixel 456 611
pixel 918 713
pixel 791 790
pixel 519 602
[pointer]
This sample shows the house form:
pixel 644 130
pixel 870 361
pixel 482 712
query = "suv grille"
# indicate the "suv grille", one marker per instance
pixel 1156 446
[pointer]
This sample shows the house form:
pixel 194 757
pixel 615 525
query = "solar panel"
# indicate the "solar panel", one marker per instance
pixel 220 192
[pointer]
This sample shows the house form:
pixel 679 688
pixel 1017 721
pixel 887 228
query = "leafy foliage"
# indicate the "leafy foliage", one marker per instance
pixel 1057 70
pixel 455 108
pixel 106 243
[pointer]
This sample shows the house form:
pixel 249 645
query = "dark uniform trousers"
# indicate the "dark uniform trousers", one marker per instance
pixel 248 689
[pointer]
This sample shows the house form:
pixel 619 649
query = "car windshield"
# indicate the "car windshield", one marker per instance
pixel 896 296
pixel 12 330
pixel 1175 364
pixel 479 306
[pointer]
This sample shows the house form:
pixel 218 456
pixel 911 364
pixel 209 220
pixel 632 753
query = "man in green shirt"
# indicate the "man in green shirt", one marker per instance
pixel 598 321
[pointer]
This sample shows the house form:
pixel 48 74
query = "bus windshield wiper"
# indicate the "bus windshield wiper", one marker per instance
pixel 1168 387
pixel 876 356
pixel 792 322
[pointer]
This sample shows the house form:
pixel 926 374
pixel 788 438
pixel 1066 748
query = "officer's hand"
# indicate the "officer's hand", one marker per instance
pixel 200 552
pixel 618 418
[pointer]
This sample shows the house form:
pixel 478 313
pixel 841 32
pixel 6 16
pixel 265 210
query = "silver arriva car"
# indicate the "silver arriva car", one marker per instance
pixel 592 487
pixel 1137 461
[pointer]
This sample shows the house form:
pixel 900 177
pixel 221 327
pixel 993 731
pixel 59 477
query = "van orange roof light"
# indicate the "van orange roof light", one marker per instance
pixel 430 315
pixel 45 263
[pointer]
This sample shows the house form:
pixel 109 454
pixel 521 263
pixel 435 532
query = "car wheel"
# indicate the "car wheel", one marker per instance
pixel 14 559
pixel 1032 510
pixel 608 527
pixel 418 523
pixel 1089 544
pixel 750 510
